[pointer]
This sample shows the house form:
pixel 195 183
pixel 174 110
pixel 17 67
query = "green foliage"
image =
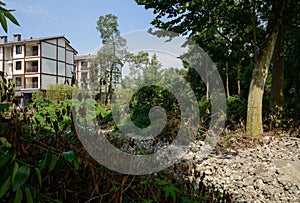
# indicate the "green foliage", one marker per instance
pixel 56 168
pixel 59 92
pixel 13 178
pixel 108 27
pixel 6 14
pixel 70 157
pixel 236 108
pixel 110 57
pixel 7 90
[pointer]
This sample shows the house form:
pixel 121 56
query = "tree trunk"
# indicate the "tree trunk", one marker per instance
pixel 297 86
pixel 277 88
pixel 207 80
pixel 227 80
pixel 254 125
pixel 109 91
pixel 239 82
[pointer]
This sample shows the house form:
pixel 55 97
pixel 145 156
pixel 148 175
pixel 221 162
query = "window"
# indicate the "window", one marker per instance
pixel 35 50
pixel 84 63
pixel 18 81
pixel 32 82
pixel 18 65
pixel 84 76
pixel 34 66
pixel 18 49
pixel 35 82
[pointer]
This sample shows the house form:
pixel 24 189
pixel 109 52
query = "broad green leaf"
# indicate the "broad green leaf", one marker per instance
pixel 46 159
pixel 53 162
pixel 5 142
pixel 39 176
pixel 69 156
pixel 19 196
pixel 21 177
pixel 3 160
pixel 15 169
pixel 28 195
pixel 6 185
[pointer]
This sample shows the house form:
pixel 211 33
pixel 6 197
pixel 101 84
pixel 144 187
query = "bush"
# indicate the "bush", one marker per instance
pixel 236 109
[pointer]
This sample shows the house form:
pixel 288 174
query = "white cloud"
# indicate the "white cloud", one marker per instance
pixel 36 8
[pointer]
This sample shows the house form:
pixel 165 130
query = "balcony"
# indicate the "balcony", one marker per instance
pixel 32 85
pixel 32 82
pixel 32 53
pixel 18 82
pixel 31 69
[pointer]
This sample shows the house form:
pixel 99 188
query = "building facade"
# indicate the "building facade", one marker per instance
pixel 36 62
pixel 84 64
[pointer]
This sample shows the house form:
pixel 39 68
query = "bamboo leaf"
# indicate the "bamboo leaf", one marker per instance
pixel 3 22
pixel 39 176
pixel 45 161
pixel 53 162
pixel 28 195
pixel 21 177
pixel 19 196
pixel 15 169
pixel 5 142
pixel 11 17
pixel 3 160
pixel 6 185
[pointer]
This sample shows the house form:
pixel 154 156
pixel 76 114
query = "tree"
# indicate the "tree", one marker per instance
pixel 249 28
pixel 292 73
pixel 6 14
pixel 110 57
pixel 290 22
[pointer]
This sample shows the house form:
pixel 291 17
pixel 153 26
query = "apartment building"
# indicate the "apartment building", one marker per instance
pixel 84 64
pixel 36 62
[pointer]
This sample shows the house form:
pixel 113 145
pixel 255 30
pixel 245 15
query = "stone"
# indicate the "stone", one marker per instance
pixel 267 173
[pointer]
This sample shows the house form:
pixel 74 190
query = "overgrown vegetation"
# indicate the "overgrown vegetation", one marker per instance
pixel 42 160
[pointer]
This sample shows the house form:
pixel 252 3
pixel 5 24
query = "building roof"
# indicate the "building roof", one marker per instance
pixel 85 57
pixel 9 43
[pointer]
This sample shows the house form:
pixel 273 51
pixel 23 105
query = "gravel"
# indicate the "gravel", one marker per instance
pixel 265 173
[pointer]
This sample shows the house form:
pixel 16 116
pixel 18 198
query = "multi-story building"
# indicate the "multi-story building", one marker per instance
pixel 84 64
pixel 36 62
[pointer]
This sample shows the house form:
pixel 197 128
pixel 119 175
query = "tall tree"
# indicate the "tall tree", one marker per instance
pixel 291 20
pixel 250 28
pixel 110 57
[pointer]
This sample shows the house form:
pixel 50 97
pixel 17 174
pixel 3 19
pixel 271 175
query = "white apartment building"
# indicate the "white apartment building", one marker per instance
pixel 84 64
pixel 36 62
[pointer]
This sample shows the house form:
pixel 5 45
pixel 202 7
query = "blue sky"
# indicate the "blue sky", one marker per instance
pixel 75 19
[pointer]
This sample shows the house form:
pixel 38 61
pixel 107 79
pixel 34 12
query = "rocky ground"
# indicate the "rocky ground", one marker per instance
pixel 252 170
pixel 263 169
